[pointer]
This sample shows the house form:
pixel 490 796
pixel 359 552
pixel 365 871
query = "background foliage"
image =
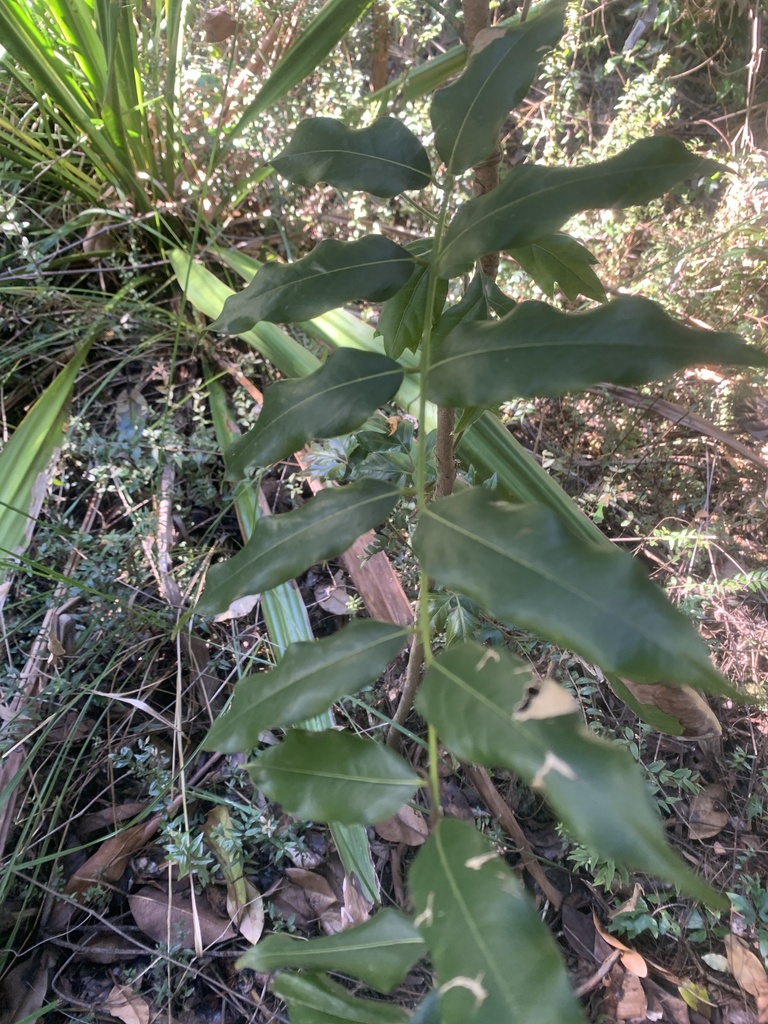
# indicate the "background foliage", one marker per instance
pixel 118 158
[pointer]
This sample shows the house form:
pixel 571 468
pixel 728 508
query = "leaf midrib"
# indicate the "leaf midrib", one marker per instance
pixel 543 192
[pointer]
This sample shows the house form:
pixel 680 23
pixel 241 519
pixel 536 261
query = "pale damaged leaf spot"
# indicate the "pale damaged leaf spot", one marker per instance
pixel 427 917
pixel 475 863
pixel 546 699
pixel 474 985
pixel 552 763
pixel 485 37
pixel 490 655
pixel 240 607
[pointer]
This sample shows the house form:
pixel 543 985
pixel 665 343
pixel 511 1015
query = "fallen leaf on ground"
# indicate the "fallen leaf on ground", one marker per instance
pixel 629 958
pixel 708 815
pixel 244 903
pixel 24 988
pixel 407 826
pixel 632 1004
pixel 663 1006
pixel 686 705
pixel 305 897
pixel 333 597
pixel 749 973
pixel 356 908
pixel 152 914
pixel 697 997
pixel 123 1003
pixel 580 934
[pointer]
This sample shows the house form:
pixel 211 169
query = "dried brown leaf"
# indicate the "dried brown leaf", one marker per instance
pixel 333 597
pixel 174 924
pixel 356 908
pixel 686 705
pixel 708 815
pixel 749 973
pixel 305 897
pixel 219 25
pixel 407 826
pixel 24 988
pixel 663 1006
pixel 247 916
pixel 123 1003
pixel 631 960
pixel 632 1004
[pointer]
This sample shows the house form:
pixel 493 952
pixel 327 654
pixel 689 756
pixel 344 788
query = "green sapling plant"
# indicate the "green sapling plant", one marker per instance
pixel 537 565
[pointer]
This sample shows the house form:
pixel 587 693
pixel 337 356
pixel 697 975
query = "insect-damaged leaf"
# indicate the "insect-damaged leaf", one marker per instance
pixel 561 259
pixel 523 565
pixel 334 400
pixel 533 201
pixel 383 159
pixel 379 952
pixel 308 679
pixel 402 317
pixel 468 114
pixel 485 706
pixel 332 776
pixel 494 958
pixel 538 350
pixel 315 999
pixel 333 273
pixel 281 547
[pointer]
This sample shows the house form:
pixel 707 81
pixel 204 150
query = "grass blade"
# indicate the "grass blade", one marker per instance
pixel 24 461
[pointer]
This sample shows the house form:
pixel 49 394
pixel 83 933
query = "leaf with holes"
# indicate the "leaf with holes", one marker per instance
pixel 523 565
pixel 315 999
pixel 468 114
pixel 561 259
pixel 489 708
pixel 383 159
pixel 533 201
pixel 379 952
pixel 281 547
pixel 538 350
pixel 494 958
pixel 336 399
pixel 309 678
pixel 372 268
pixel 332 776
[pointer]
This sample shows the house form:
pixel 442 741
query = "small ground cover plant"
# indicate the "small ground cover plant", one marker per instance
pixel 534 564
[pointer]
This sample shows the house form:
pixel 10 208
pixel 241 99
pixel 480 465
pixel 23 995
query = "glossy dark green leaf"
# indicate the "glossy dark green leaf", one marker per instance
pixel 401 322
pixel 315 999
pixel 523 565
pixel 488 707
pixel 333 273
pixel 309 678
pixel 538 350
pixel 482 298
pixel 336 399
pixel 332 776
pixel 494 957
pixel 468 114
pixel 283 546
pixel 533 201
pixel 561 259
pixel 383 159
pixel 379 952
